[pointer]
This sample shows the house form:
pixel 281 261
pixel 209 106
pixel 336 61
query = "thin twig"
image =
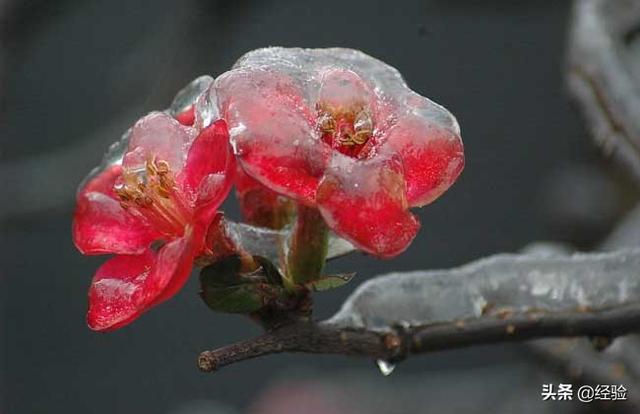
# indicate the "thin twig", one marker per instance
pixel 323 338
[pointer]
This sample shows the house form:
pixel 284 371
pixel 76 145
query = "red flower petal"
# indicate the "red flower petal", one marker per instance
pixel 260 206
pixel 208 173
pixel 219 243
pixel 118 290
pixel 187 117
pixel 272 131
pixel 433 157
pixel 102 182
pixel 100 224
pixel 364 202
pixel 176 258
pixel 126 286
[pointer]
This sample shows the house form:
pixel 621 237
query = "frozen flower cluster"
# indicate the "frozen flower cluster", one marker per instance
pixel 315 141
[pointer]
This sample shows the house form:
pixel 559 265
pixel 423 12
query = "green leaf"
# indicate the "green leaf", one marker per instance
pixel 269 270
pixel 331 281
pixel 233 299
pixel 224 288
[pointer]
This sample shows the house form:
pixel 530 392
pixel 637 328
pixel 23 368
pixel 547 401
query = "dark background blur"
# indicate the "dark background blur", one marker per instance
pixel 77 74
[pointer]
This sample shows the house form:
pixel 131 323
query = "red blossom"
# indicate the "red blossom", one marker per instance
pixel 341 131
pixel 164 191
pixel 261 206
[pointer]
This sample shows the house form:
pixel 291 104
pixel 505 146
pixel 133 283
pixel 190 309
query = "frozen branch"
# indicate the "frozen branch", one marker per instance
pixel 498 299
pixel 602 74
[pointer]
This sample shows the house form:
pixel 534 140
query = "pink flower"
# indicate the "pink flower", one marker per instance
pixel 150 207
pixel 341 131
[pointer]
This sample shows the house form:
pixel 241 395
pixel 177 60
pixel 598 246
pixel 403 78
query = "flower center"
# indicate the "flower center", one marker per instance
pixel 346 129
pixel 151 191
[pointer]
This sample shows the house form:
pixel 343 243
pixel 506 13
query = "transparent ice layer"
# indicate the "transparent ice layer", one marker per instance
pixel 323 126
pixel 306 68
pixel 197 93
pixel 517 283
pixel 260 241
pixel 113 156
pixel 188 95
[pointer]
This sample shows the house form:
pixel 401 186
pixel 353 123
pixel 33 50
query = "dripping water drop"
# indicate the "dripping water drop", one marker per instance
pixel 386 368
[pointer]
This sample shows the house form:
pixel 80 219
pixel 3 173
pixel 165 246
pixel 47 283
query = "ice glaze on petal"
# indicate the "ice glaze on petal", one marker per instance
pixel 187 117
pixel 433 157
pixel 127 285
pixel 343 88
pixel 260 206
pixel 113 157
pixel 186 98
pixel 365 203
pixel 306 66
pixel 272 131
pixel 195 105
pixel 100 224
pixel 340 76
pixel 208 172
pixel 206 109
pixel 161 137
pixel 118 289
pixel 176 259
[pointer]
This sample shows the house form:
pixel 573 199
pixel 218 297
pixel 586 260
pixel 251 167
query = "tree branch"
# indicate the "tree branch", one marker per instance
pixel 396 344
pixel 315 338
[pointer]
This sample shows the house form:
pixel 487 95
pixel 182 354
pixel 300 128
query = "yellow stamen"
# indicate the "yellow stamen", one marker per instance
pixel 348 126
pixel 153 192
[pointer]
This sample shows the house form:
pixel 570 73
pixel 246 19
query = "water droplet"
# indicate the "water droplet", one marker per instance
pixel 386 368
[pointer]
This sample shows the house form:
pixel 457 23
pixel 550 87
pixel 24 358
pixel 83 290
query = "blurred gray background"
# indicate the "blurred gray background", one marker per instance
pixel 76 74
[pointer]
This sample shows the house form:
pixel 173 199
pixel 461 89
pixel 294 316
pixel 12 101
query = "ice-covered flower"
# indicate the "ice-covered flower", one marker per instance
pixel 340 130
pixel 261 206
pixel 150 204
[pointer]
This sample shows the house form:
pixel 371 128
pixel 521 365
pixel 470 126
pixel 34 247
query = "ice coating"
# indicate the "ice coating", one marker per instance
pixel 320 125
pixel 268 243
pixel 369 204
pixel 306 67
pixel 127 285
pixel 112 157
pixel 161 136
pixel 307 70
pixel 188 95
pixel 206 109
pixel 150 203
pixel 197 93
pixel 518 283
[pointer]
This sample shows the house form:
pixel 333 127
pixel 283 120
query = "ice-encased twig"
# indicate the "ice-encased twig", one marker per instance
pixel 580 360
pixel 502 283
pixel 501 298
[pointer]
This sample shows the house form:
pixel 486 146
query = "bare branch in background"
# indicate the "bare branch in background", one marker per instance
pixel 498 299
pixel 626 234
pixel 580 363
pixel 603 74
